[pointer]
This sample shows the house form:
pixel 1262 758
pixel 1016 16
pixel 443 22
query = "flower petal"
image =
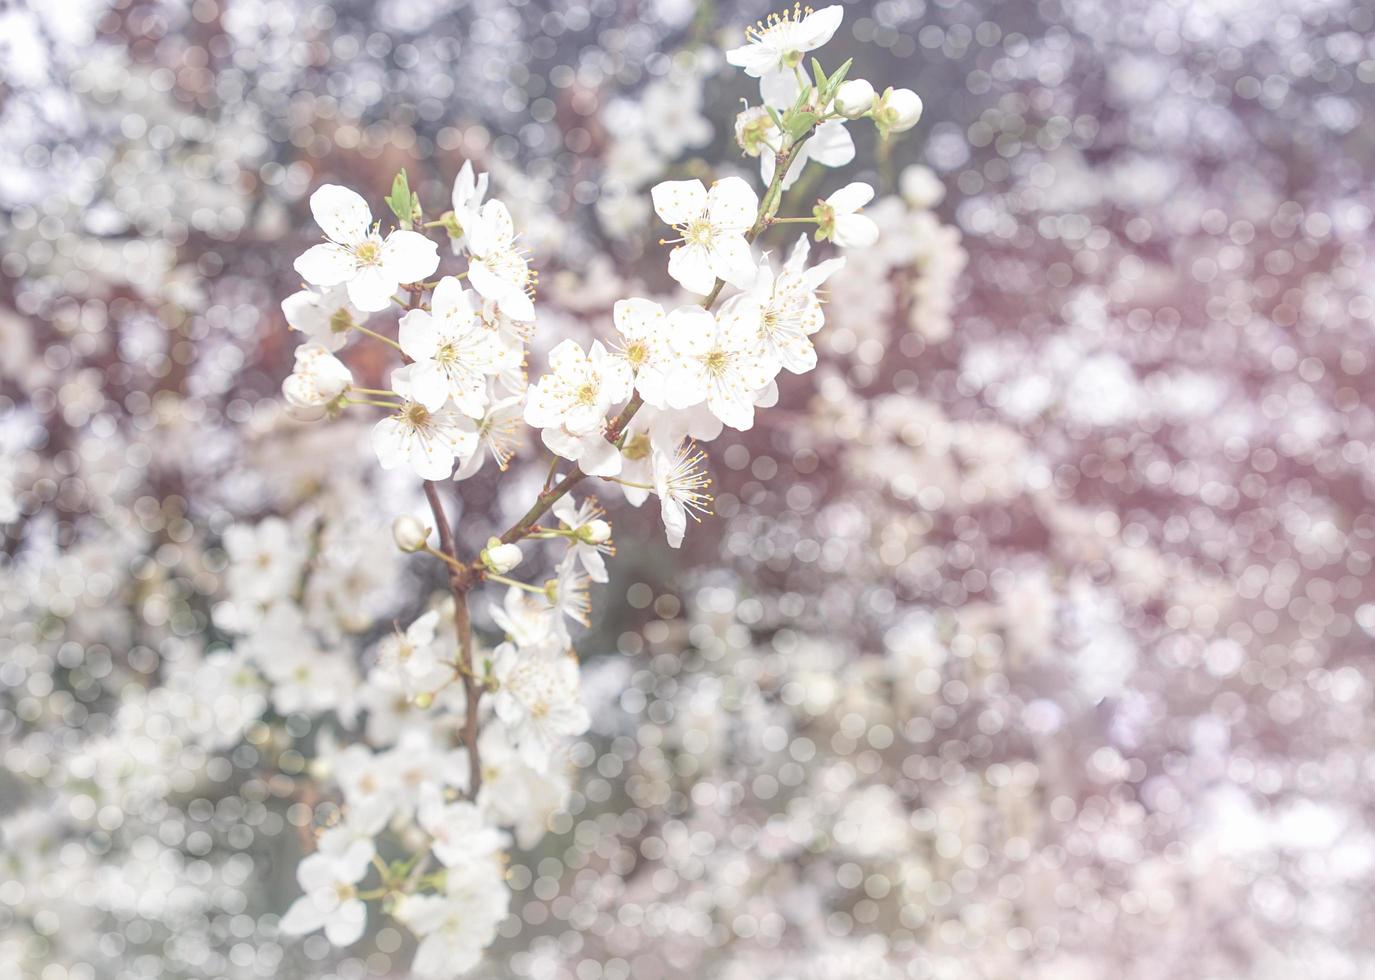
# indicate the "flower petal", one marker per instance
pixel 326 265
pixel 690 265
pixel 342 214
pixel 732 204
pixel 409 256
pixel 679 201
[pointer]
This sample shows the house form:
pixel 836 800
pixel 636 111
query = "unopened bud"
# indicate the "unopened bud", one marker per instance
pixel 501 558
pixel 854 98
pixel 409 533
pixel 595 532
pixel 898 110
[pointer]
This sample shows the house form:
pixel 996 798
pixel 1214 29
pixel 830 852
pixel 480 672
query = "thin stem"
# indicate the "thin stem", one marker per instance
pixel 494 577
pixel 792 221
pixel 374 391
pixel 372 401
pixel 376 336
pixel 448 558
pixel 628 483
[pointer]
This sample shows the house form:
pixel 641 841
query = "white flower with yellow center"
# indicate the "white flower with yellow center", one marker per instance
pixel 838 218
pixel 712 225
pixel 681 484
pixel 719 360
pixel 569 404
pixel 329 879
pixel 460 836
pixel 453 349
pixel 497 269
pixel 498 435
pixel 787 307
pixel 426 441
pixel 774 48
pixel 643 347
pixel 324 315
pixel 538 699
pixel 317 379
pixel 357 256
pixel 589 534
pixel 469 190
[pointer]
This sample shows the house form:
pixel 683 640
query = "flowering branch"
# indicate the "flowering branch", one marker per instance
pixel 630 412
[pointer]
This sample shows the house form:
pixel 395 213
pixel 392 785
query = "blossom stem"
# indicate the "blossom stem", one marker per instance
pixel 494 577
pixel 628 483
pixel 375 391
pixel 792 221
pixel 371 401
pixel 376 336
pixel 448 558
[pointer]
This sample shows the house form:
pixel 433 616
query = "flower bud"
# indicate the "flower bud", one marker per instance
pixel 854 98
pixel 898 110
pixel 595 531
pixel 921 187
pixel 317 379
pixel 501 558
pixel 409 533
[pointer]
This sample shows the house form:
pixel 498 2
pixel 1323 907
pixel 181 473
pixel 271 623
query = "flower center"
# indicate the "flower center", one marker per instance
pixel 773 22
pixel 341 321
pixel 417 415
pixel 717 361
pixel 368 253
pixel 699 232
pixel 637 446
pixel 447 353
pixel 636 352
pixel 587 394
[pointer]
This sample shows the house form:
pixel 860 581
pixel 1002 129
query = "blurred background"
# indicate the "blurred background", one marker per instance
pixel 1032 634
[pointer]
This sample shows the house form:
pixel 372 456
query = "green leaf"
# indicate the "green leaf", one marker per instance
pixel 819 75
pixel 777 120
pixel 839 77
pixel 402 202
pixel 801 123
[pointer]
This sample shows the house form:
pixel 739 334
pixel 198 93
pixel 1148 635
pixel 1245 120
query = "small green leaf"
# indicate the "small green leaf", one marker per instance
pixel 839 77
pixel 777 121
pixel 819 75
pixel 801 123
pixel 402 202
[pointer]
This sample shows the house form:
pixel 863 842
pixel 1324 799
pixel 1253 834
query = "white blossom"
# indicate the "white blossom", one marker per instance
pixel 324 315
pixel 713 224
pixel 498 432
pixel 331 900
pixel 538 699
pixel 317 379
pixel 453 349
pixel 414 657
pixel 590 534
pixel 468 191
pixel 570 402
pixel 426 441
pixel 681 485
pixel 460 836
pixel 457 925
pixel 839 220
pixel 356 255
pixel 774 48
pixel 497 269
pixel 720 361
pixel 787 307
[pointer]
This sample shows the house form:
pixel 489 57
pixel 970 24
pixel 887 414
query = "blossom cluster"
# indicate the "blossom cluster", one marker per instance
pixel 631 409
